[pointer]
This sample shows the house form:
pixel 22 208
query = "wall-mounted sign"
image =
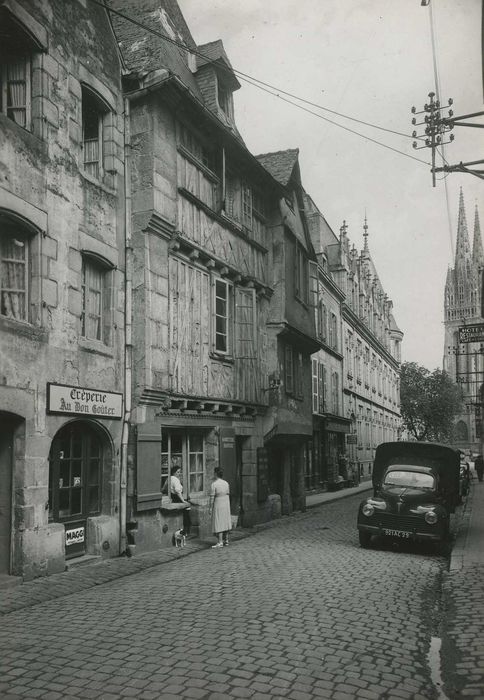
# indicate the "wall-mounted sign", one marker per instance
pixel 472 334
pixel 79 401
pixel 75 536
pixel 351 438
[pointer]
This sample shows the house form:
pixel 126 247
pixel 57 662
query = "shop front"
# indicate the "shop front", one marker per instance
pixel 335 429
pixel 82 493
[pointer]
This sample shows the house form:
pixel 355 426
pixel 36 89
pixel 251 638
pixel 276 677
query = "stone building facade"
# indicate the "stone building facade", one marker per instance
pixel 214 234
pixel 61 286
pixel 168 299
pixel 464 339
pixel 370 345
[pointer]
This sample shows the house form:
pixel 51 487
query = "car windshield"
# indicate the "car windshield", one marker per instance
pixel 404 477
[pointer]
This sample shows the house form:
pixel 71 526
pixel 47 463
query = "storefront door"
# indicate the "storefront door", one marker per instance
pixel 75 482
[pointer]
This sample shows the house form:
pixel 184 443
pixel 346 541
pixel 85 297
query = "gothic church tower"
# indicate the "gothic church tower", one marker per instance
pixel 464 362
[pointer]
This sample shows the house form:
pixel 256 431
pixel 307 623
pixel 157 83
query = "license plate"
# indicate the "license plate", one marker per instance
pixel 396 533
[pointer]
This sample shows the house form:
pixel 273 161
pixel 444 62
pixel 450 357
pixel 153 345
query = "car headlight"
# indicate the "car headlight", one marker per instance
pixel 368 510
pixel 431 517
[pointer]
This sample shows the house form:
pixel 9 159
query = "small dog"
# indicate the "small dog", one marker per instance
pixel 179 538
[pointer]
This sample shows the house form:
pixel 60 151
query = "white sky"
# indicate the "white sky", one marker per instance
pixel 371 60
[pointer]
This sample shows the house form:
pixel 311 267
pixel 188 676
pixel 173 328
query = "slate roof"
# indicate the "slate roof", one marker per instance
pixel 214 52
pixel 143 51
pixel 280 164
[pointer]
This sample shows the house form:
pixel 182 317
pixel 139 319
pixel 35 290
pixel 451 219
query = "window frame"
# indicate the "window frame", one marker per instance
pixel 6 62
pixel 24 237
pixel 227 319
pixel 181 459
pixel 301 274
pixel 92 262
pixel 293 371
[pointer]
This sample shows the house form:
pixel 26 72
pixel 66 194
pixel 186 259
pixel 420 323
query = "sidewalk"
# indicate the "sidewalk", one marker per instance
pixel 468 550
pixel 463 604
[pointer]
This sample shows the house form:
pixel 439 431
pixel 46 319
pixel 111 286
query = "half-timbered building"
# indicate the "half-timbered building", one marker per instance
pixel 211 260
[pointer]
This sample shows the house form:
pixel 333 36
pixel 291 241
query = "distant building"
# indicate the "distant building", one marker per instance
pixel 464 357
pixel 370 347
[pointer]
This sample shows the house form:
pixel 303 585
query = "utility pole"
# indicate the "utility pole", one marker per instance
pixel 436 127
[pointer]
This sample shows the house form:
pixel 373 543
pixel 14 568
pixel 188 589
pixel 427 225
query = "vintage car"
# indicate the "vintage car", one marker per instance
pixel 415 489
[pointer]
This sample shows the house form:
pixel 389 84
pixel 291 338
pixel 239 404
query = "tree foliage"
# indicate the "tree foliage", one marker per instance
pixel 429 402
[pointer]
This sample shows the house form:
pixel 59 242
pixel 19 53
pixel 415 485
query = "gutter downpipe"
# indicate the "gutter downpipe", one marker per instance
pixel 128 330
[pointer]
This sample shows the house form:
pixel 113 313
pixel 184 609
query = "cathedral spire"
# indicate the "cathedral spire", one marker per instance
pixel 366 250
pixel 477 250
pixel 463 255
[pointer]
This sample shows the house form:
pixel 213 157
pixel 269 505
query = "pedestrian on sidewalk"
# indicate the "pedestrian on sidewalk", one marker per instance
pixel 220 509
pixel 176 490
pixel 479 466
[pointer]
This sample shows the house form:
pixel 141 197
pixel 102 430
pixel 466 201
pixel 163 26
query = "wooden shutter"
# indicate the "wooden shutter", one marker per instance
pixel 289 369
pixel 315 386
pixel 148 468
pixel 247 370
pixel 313 291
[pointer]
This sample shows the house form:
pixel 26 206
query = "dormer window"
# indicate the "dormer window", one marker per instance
pixel 225 100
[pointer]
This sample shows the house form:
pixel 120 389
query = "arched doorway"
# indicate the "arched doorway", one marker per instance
pixel 9 425
pixel 75 481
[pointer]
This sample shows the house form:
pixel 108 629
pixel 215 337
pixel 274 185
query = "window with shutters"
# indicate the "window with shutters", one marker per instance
pixel 319 386
pixel 158 451
pixel 315 387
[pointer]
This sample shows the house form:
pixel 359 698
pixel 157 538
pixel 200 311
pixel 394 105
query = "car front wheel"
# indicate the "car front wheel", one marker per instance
pixel 365 538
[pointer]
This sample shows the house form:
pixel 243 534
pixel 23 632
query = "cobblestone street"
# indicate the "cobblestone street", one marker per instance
pixel 297 611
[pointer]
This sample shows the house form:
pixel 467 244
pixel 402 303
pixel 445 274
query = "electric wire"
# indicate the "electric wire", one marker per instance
pixel 346 128
pixel 442 153
pixel 266 87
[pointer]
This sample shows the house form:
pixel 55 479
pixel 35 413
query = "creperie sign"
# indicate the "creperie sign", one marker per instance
pixel 79 401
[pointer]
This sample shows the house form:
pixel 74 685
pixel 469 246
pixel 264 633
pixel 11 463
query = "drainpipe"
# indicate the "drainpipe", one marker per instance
pixel 128 263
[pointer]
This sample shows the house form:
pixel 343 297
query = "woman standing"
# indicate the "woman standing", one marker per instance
pixel 220 508
pixel 176 490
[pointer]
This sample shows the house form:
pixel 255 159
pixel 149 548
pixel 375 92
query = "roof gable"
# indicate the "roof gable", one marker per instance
pixel 280 164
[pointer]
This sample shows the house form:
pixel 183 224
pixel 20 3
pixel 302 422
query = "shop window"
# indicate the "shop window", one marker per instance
pixel 14 272
pixel 223 317
pixel 96 298
pixel 94 115
pixel 75 468
pixel 187 452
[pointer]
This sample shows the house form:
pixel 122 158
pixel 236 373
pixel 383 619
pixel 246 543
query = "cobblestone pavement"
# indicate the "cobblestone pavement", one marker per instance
pixel 298 611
